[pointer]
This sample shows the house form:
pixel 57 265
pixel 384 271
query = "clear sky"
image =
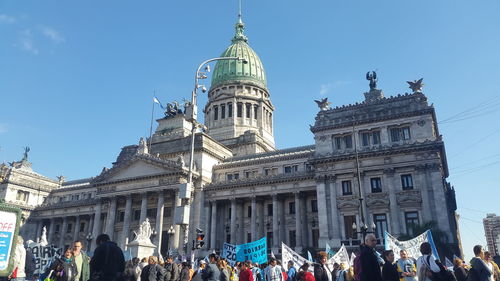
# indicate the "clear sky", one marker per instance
pixel 76 77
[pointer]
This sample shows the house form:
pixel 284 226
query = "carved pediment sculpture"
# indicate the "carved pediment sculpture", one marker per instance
pixel 408 197
pixel 377 199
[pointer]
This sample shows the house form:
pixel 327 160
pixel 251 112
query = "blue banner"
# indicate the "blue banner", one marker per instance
pixel 255 251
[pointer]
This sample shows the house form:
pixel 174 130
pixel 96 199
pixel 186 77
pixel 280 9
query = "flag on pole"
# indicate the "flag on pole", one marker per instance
pixel 309 257
pixel 155 100
pixel 329 251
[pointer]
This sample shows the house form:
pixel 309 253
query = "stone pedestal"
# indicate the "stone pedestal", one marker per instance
pixel 141 249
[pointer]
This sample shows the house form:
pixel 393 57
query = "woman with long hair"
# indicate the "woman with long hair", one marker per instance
pixel 63 268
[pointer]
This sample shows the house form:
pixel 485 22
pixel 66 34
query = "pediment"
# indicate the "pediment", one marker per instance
pixel 139 167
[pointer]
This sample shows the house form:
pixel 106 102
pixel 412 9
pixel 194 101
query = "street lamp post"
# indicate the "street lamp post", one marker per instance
pixel 191 113
pixel 363 230
pixel 170 233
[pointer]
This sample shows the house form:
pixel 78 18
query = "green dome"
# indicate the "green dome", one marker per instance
pixel 233 71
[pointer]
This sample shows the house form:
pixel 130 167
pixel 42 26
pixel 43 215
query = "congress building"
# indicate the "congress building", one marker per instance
pixel 382 157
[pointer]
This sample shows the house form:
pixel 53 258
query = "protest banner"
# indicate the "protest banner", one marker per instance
pixel 9 230
pixel 342 256
pixel 229 253
pixel 287 254
pixel 255 251
pixel 329 251
pixel 44 255
pixel 411 246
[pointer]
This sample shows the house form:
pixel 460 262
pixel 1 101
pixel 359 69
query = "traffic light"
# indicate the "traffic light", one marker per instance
pixel 200 239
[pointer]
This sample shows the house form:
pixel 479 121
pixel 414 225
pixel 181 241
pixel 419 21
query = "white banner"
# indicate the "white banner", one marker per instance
pixel 287 254
pixel 342 256
pixel 411 246
pixel 44 255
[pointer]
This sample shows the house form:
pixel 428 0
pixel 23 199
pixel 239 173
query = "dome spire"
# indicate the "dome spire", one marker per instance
pixel 240 28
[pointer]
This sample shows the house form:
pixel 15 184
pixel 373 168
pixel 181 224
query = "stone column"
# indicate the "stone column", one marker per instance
pixel 97 223
pixel 335 212
pixel 233 221
pixel 322 215
pixel 127 218
pixel 298 223
pixel 393 205
pixel 159 220
pixel 88 229
pixel 64 229
pixel 52 230
pixel 261 212
pixel 110 220
pixel 76 233
pixel 177 228
pixel 305 223
pixel 276 229
pixel 144 207
pixel 241 222
pixel 282 221
pixel 213 225
pixel 253 220
pixel 421 183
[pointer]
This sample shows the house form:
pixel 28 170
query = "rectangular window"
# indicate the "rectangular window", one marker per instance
pixel 348 222
pixel 249 211
pixel 82 227
pixel 293 240
pixel 271 171
pixel 70 228
pixel 269 209
pixel 315 237
pixel 233 176
pixel 229 110
pixel 269 239
pixel 121 216
pixel 291 169
pixel 167 212
pixel 229 213
pixel 216 112
pixel 291 208
pixel 314 206
pixel 248 108
pixel 255 109
pixel 343 142
pixel 376 184
pixel 22 195
pixel 365 139
pixel 411 219
pixel 222 111
pixel 380 221
pixel 399 134
pixel 151 213
pixel 239 110
pixel 251 174
pixel 348 141
pixel 376 137
pixel 228 238
pixel 137 215
pixel 249 237
pixel 338 143
pixel 406 182
pixel 346 188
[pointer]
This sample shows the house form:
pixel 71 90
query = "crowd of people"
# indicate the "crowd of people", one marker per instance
pixel 108 264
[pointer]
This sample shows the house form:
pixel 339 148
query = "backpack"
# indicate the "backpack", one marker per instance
pixel 357 267
pixel 443 275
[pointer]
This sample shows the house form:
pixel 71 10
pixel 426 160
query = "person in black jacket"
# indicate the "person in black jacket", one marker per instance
pixel 63 268
pixel 321 271
pixel 153 271
pixel 108 262
pixel 459 270
pixel 389 270
pixel 370 266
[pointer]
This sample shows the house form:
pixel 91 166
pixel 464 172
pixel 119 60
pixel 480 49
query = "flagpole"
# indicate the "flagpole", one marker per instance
pixel 151 126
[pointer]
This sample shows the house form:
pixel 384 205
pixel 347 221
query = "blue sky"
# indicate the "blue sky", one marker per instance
pixel 76 78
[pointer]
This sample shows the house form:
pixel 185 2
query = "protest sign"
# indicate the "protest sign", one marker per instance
pixel 229 253
pixel 9 230
pixel 342 256
pixel 411 246
pixel 287 254
pixel 44 255
pixel 255 251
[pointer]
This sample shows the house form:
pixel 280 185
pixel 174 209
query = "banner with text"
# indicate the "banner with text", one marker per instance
pixel 229 253
pixel 342 256
pixel 44 255
pixel 411 246
pixel 255 251
pixel 287 254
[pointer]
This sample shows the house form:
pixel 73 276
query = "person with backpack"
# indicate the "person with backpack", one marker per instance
pixel 479 270
pixel 426 264
pixel 292 272
pixel 366 265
